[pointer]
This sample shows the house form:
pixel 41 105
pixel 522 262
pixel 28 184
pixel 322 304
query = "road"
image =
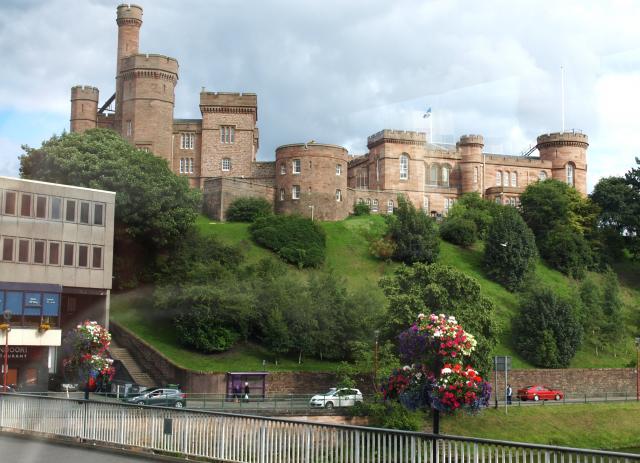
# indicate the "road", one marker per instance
pixel 20 450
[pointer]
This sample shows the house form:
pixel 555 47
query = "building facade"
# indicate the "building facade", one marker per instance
pixel 56 253
pixel 218 151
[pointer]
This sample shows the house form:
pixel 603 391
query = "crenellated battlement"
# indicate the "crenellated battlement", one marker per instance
pixel 129 14
pixel 150 62
pixel 471 139
pixel 396 136
pixel 228 99
pixel 572 138
pixel 84 92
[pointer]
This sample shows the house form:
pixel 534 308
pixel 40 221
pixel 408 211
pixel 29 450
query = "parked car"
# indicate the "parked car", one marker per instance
pixel 162 397
pixel 539 393
pixel 7 388
pixel 343 397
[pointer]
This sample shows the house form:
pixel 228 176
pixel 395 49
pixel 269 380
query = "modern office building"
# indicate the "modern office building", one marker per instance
pixel 56 252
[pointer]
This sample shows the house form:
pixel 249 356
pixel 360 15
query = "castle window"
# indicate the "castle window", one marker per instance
pixel 445 175
pixel 190 165
pixel 362 178
pixel 281 194
pixel 283 168
pixel 360 201
pixel 425 204
pixel 10 202
pixel 498 178
pixel 296 166
pixel 571 174
pixel 448 204
pixel 475 174
pixel 187 141
pixel 295 192
pixel 129 128
pixel 514 179
pixel 498 200
pixel 390 207
pixel 338 169
pixel 374 205
pixel 182 168
pixel 404 167
pixel 512 202
pixel 186 165
pixel 226 165
pixel 505 179
pixel 338 195
pixel 542 175
pixel 227 134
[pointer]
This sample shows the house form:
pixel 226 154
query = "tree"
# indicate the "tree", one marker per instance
pixel 510 250
pixel 547 331
pixel 613 326
pixel 472 207
pixel 414 234
pixel 567 251
pixel 591 315
pixel 440 288
pixel 248 209
pixel 154 207
pixel 458 230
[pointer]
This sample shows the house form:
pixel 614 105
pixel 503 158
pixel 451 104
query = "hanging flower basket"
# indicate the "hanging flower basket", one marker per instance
pixel 4 326
pixel 44 327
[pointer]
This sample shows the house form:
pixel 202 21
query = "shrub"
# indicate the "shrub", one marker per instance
pixel 566 251
pixel 510 251
pixel 390 415
pixel 414 234
pixel 198 329
pixel 547 332
pixel 472 207
pixel 460 231
pixel 248 209
pixel 361 209
pixel 382 248
pixel 296 239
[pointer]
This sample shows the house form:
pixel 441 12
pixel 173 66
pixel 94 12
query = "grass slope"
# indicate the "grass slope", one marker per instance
pixel 349 257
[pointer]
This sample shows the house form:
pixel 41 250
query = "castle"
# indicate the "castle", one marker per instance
pixel 218 152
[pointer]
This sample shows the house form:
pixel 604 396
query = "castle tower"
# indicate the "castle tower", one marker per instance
pixel 312 178
pixel 567 152
pixel 129 20
pixel 84 108
pixel 470 149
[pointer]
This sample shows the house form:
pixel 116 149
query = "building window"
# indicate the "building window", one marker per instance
pixel 129 128
pixel 190 165
pixel 374 205
pixel 56 208
pixel 84 212
pixel 505 179
pixel 83 255
pixel 295 192
pixel 475 174
pixel 338 195
pixel 296 166
pixel 512 202
pixel 571 174
pixel 445 175
pixel 498 178
pixel 41 207
pixel 281 194
pixel 362 178
pixel 23 251
pixel 182 166
pixel 54 253
pixel 338 169
pixel 390 207
pixel 69 251
pixel 186 140
pixel 404 167
pixel 433 174
pixel 98 214
pixel 498 200
pixel 96 262
pixel 514 179
pixel 38 252
pixel 7 249
pixel 226 165
pixel 70 211
pixel 10 202
pixel 283 168
pixel 25 205
pixel 227 134
pixel 186 165
pixel 425 204
pixel 542 175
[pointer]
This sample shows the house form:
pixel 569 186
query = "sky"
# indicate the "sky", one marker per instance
pixel 337 71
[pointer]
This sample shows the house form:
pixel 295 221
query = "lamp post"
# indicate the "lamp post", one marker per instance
pixel 6 328
pixel 638 368
pixel 311 207
pixel 375 360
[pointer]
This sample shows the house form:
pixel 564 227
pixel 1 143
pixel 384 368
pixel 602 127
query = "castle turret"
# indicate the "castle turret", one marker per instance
pixel 567 152
pixel 470 149
pixel 84 108
pixel 129 20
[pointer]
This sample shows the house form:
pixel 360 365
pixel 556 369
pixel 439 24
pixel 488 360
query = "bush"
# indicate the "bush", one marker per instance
pixel 390 415
pixel 460 231
pixel 567 251
pixel 296 239
pixel 248 209
pixel 361 209
pixel 510 251
pixel 198 330
pixel 414 234
pixel 547 332
pixel 382 248
pixel 472 207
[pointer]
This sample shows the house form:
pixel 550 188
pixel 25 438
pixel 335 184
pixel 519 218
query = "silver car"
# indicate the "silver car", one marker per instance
pixel 344 397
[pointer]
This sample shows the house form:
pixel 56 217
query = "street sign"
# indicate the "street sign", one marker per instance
pixel 502 363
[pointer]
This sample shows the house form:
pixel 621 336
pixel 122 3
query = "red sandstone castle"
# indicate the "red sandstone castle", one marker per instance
pixel 218 152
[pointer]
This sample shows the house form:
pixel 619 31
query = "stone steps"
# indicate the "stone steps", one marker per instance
pixel 134 369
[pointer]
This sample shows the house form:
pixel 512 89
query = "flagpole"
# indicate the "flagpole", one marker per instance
pixel 431 127
pixel 562 93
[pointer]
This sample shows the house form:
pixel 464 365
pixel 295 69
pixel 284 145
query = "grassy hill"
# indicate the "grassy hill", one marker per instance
pixel 349 257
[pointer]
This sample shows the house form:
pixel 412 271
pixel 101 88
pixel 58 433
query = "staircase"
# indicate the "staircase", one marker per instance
pixel 138 375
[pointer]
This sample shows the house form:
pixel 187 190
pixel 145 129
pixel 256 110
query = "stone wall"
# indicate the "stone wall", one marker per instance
pixel 219 193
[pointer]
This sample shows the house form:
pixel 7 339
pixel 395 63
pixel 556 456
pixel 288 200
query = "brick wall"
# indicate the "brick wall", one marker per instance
pixel 219 193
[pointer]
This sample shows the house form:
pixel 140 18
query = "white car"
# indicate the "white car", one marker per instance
pixel 344 397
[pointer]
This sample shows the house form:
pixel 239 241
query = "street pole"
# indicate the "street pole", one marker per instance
pixel 495 369
pixel 638 368
pixel 375 362
pixel 6 358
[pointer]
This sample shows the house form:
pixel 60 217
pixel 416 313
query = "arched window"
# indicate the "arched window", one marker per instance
pixel 283 168
pixel 433 174
pixel 374 205
pixel 505 179
pixel 404 167
pixel 571 171
pixel 390 207
pixel 514 179
pixel 542 175
pixel 338 195
pixel 475 174
pixel 281 194
pixel 360 201
pixel 498 178
pixel 445 175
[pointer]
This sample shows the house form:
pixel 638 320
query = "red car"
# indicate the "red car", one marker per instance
pixel 539 393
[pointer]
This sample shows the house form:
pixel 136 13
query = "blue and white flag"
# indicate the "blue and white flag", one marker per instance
pixel 427 114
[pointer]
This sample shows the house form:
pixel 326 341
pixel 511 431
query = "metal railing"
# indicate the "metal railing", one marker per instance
pixel 250 439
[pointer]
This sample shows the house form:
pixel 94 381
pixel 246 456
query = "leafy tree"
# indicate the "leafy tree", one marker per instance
pixel 633 223
pixel 613 326
pixel 440 288
pixel 414 234
pixel 154 207
pixel 472 207
pixel 566 250
pixel 361 209
pixel 510 250
pixel 547 332
pixel 248 209
pixel 460 231
pixel 591 315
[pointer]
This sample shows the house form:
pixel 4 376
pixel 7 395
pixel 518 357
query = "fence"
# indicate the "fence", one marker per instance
pixel 246 439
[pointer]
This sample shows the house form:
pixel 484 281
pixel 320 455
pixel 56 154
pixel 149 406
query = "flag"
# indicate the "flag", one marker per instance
pixel 427 114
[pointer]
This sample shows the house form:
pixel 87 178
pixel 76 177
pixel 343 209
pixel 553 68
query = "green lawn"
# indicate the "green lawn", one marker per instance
pixel 611 426
pixel 349 257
